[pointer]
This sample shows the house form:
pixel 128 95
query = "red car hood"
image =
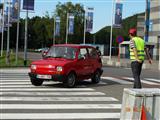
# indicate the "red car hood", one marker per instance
pixel 52 61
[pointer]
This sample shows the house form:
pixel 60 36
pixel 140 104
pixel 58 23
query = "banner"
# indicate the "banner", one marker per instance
pixel 89 23
pixel 57 26
pixel 1 16
pixel 71 24
pixel 6 18
pixel 118 15
pixel 15 10
pixel 28 4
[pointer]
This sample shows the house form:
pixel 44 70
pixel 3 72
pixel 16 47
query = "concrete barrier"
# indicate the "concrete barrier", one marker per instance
pixel 134 100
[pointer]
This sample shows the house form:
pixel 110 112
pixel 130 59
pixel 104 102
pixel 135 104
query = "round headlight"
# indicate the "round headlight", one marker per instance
pixel 59 68
pixel 33 67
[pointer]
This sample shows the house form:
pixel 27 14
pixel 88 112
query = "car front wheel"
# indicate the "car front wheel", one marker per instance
pixel 70 81
pixel 96 77
pixel 36 82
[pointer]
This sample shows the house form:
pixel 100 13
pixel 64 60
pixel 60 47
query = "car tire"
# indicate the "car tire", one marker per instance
pixel 36 82
pixel 96 77
pixel 70 81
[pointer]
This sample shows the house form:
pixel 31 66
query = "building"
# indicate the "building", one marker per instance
pixel 154 31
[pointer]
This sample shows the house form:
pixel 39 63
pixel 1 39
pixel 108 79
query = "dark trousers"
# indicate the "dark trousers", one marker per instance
pixel 136 70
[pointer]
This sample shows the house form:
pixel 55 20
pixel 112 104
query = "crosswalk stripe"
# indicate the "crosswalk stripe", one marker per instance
pixel 11 80
pixel 43 98
pixel 17 86
pixel 116 80
pixel 60 106
pixel 52 93
pixel 143 81
pixel 15 83
pixel 55 116
pixel 151 79
pixel 46 89
pixel 100 83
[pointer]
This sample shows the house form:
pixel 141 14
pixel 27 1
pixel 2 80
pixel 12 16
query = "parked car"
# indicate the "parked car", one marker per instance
pixel 67 63
pixel 41 49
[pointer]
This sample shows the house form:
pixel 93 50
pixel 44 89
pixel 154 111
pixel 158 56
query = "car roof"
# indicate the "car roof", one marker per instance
pixel 74 45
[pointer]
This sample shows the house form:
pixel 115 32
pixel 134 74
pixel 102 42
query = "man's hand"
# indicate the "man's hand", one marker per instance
pixel 140 61
pixel 150 61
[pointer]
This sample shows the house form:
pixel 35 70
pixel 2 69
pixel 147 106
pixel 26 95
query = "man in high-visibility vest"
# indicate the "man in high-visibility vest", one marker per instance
pixel 137 56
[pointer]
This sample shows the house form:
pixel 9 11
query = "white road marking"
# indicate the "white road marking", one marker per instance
pixel 52 93
pixel 46 89
pixel 151 79
pixel 116 80
pixel 58 98
pixel 55 116
pixel 17 80
pixel 60 106
pixel 143 81
pixel 16 83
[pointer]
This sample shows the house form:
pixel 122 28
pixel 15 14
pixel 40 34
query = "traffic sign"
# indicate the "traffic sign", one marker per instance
pixel 119 39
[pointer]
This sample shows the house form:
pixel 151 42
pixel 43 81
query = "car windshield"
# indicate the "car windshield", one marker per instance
pixel 62 52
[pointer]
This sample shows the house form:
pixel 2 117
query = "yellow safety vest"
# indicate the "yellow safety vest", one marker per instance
pixel 140 45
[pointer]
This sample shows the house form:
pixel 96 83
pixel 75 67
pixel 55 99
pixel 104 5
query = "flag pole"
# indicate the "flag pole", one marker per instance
pixel 110 51
pixel 8 35
pixel 26 37
pixel 54 40
pixel 17 31
pixel 2 28
pixel 84 38
pixel 67 28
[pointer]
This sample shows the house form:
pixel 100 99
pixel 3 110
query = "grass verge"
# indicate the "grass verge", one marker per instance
pixel 12 61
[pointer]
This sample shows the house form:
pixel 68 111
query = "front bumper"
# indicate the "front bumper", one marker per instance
pixel 55 77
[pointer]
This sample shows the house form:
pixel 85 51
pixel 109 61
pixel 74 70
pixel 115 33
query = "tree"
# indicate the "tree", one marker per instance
pixel 78 12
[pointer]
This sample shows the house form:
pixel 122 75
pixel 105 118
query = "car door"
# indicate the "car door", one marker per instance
pixel 93 59
pixel 83 65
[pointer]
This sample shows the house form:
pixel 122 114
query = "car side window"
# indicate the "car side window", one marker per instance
pixel 82 53
pixel 92 52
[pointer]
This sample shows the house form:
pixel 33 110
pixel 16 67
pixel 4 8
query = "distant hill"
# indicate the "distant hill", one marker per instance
pixel 103 35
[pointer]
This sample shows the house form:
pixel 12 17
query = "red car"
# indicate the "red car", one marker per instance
pixel 67 63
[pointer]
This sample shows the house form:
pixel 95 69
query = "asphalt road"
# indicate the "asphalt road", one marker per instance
pixel 21 100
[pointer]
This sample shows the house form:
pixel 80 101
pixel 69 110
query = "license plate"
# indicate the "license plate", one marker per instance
pixel 44 76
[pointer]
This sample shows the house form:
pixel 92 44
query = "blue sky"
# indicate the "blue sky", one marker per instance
pixel 102 9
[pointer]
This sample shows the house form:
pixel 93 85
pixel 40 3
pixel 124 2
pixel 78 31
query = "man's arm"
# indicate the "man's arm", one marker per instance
pixel 148 55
